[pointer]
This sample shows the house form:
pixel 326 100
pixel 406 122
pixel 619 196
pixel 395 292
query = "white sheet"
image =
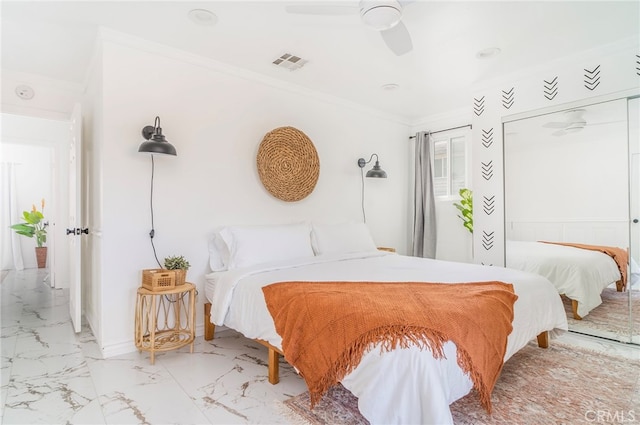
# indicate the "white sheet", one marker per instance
pixel 406 385
pixel 580 274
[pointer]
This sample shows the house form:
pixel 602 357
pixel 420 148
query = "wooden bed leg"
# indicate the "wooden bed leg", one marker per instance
pixel 274 366
pixel 543 340
pixel 574 307
pixel 209 328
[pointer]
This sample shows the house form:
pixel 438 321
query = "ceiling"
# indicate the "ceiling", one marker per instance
pixel 345 59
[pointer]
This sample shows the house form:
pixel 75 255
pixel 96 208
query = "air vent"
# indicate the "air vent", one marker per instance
pixel 290 62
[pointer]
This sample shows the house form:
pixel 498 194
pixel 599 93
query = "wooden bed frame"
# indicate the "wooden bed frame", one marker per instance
pixel 275 353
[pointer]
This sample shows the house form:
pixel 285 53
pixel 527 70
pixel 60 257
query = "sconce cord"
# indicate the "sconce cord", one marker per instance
pixel 364 217
pixel 152 233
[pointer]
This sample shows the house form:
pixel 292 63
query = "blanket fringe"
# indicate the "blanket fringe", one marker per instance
pixel 390 338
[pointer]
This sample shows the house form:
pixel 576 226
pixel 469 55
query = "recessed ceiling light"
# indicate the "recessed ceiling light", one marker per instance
pixel 203 17
pixel 488 53
pixel 25 92
pixel 390 87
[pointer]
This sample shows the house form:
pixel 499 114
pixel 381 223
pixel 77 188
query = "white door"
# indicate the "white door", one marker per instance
pixel 74 229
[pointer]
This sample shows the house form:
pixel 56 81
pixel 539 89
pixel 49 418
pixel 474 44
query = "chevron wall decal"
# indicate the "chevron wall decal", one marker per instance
pixel 489 204
pixel 550 88
pixel 638 64
pixel 592 78
pixel 508 98
pixel 487 240
pixel 487 170
pixel 478 106
pixel 487 137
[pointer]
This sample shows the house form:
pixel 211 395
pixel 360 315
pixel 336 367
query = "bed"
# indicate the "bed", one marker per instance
pixel 406 385
pixel 579 274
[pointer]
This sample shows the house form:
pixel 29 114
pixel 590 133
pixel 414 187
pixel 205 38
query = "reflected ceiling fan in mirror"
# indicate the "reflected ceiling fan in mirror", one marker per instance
pixel 574 122
pixel 383 16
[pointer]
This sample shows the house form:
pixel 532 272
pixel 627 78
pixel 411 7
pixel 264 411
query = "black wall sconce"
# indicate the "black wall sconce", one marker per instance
pixel 376 171
pixel 155 144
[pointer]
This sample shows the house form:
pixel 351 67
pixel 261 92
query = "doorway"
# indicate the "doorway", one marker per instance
pixel 34 164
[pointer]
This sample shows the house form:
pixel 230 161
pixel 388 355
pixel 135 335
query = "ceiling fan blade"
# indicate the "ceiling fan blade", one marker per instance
pixel 398 39
pixel 555 124
pixel 321 9
pixel 559 133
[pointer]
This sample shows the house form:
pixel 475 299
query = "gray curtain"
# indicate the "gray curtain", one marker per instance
pixel 424 208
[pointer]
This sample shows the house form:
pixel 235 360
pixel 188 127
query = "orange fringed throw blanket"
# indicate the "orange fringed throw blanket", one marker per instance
pixel 619 255
pixel 326 327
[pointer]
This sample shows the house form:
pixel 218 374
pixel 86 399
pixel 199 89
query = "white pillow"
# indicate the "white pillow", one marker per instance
pixel 251 245
pixel 218 253
pixel 341 238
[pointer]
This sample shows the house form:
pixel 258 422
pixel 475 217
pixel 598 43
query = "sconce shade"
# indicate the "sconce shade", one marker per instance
pixel 377 172
pixel 156 143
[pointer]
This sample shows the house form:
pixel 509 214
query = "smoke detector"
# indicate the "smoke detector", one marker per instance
pixel 25 92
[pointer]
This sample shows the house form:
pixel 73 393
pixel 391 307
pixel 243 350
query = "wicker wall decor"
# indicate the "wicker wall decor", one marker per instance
pixel 288 164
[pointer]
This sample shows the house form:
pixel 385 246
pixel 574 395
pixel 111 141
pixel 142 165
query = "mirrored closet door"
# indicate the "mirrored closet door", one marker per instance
pixel 569 182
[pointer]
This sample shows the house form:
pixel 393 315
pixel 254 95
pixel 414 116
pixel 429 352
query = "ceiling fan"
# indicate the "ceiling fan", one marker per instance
pixel 381 15
pixel 573 122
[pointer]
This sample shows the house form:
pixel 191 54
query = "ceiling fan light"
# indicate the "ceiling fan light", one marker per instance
pixel 381 15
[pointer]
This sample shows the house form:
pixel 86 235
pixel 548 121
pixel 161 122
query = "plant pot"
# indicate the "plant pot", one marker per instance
pixel 41 256
pixel 181 276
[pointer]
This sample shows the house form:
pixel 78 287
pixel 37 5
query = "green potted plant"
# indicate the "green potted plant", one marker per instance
pixel 35 226
pixel 466 208
pixel 180 265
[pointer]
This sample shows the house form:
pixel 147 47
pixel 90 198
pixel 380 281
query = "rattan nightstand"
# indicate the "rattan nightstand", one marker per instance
pixel 384 248
pixel 165 320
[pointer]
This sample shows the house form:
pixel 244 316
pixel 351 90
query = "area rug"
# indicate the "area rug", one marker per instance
pixel 559 385
pixel 611 318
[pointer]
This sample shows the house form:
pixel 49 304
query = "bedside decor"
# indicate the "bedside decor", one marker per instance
pixel 158 279
pixel 165 320
pixel 179 265
pixel 288 164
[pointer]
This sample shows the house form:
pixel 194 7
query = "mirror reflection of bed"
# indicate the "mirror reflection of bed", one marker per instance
pixel 567 208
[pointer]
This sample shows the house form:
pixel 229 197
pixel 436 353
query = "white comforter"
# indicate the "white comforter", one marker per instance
pixel 406 385
pixel 580 274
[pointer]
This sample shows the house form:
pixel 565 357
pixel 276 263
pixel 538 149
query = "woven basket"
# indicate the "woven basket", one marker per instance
pixel 288 164
pixel 158 279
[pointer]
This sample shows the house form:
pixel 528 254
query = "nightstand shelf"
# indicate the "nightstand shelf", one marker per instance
pixel 165 320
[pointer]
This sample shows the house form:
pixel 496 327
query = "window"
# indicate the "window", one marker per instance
pixel 449 163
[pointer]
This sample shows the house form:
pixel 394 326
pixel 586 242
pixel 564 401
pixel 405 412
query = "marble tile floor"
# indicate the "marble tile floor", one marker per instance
pixel 50 375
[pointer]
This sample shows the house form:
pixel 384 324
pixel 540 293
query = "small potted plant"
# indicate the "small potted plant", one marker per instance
pixel 180 265
pixel 35 226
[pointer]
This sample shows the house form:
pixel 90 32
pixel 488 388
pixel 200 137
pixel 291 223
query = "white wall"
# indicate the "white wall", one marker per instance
pixel 40 146
pixel 216 120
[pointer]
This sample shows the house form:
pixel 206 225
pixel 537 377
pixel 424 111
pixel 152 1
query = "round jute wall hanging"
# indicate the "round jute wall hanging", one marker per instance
pixel 288 164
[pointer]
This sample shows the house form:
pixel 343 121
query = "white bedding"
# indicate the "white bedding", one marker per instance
pixel 580 274
pixel 405 385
